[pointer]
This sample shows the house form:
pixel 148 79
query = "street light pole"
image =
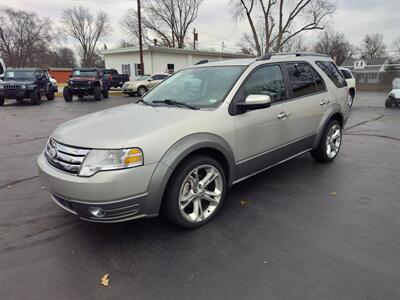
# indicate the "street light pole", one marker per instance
pixel 140 38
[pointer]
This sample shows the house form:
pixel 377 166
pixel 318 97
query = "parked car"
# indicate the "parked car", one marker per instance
pixel 351 83
pixel 54 83
pixel 86 82
pixel 143 84
pixel 26 83
pixel 197 133
pixel 116 80
pixel 393 98
pixel 2 69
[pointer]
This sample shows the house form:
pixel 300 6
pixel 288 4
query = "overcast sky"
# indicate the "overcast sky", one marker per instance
pixel 354 18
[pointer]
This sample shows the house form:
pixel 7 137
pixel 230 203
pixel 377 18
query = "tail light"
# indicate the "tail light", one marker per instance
pixel 110 77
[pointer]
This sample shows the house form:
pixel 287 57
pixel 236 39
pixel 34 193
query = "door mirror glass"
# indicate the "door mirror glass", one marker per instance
pixel 253 102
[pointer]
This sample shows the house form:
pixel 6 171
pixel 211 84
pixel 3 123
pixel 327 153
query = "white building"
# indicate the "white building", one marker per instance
pixel 159 59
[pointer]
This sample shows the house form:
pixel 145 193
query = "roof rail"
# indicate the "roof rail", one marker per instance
pixel 303 54
pixel 201 62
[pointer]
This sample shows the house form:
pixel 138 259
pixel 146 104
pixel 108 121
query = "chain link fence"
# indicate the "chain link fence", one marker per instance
pixel 380 81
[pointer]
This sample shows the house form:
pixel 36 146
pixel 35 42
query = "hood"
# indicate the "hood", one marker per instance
pixel 122 126
pixel 83 78
pixel 16 81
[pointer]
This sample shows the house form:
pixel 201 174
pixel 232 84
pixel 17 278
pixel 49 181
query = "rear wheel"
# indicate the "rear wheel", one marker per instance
pixel 390 102
pixel 67 94
pixel 105 93
pixel 36 97
pixel 2 98
pixel 195 192
pixel 329 145
pixel 50 95
pixel 97 93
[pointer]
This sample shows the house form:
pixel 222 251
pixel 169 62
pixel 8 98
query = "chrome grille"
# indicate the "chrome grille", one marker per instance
pixel 65 158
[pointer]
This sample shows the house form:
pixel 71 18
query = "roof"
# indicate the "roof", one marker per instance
pixel 175 50
pixel 377 61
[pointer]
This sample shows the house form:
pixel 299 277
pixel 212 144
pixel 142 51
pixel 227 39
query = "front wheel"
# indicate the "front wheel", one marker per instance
pixel 141 91
pixel 105 93
pixel 36 97
pixel 50 95
pixel 329 145
pixel 389 103
pixel 195 192
pixel 97 93
pixel 67 94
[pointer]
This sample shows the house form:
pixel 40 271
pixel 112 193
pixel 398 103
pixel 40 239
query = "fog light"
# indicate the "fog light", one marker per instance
pixel 97 212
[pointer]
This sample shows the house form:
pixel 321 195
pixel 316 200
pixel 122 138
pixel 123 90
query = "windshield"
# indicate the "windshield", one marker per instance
pixel 84 73
pixel 19 74
pixel 199 87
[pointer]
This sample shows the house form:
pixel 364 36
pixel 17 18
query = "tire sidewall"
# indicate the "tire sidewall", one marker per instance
pixel 324 138
pixel 142 88
pixel 171 201
pixel 97 93
pixel 67 94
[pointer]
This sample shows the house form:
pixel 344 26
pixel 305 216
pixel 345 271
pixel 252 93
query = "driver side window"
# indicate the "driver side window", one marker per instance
pixel 266 80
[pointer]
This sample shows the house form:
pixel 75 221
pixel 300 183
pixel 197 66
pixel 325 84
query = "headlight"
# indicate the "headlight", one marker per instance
pixel 106 160
pixel 23 86
pixel 71 82
pixel 1 87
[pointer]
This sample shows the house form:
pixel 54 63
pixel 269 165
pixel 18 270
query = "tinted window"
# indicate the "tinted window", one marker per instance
pixel 266 81
pixel 332 72
pixel 346 74
pixel 318 81
pixel 1 69
pixel 158 77
pixel 301 79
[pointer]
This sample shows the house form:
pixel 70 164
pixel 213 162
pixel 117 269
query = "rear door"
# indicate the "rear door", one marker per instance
pixel 309 102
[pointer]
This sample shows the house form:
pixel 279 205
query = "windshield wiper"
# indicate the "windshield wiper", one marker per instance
pixel 144 102
pixel 175 103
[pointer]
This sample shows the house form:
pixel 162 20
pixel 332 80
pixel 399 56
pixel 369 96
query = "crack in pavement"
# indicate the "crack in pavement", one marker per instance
pixel 18 181
pixel 365 122
pixel 24 141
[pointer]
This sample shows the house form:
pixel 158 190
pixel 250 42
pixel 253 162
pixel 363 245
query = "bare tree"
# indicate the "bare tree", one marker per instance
pixel 166 20
pixel 87 29
pixel 24 38
pixel 63 57
pixel 373 46
pixel 335 45
pixel 282 20
pixel 396 45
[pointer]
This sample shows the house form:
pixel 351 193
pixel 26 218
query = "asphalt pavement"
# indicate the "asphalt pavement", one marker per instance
pixel 301 230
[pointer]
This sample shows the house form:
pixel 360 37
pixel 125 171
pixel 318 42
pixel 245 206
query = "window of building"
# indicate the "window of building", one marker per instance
pixel 170 68
pixel 332 71
pixel 266 81
pixel 126 69
pixel 301 79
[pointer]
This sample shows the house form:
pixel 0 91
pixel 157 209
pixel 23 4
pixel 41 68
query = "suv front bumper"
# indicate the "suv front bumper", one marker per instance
pixel 121 195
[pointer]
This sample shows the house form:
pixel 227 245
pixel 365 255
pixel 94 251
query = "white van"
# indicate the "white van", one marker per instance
pixel 2 69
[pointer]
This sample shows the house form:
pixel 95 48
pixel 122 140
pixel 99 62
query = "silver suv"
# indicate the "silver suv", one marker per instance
pixel 197 133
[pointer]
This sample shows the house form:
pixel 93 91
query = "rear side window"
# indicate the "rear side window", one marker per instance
pixel 1 69
pixel 319 82
pixel 346 74
pixel 330 69
pixel 266 81
pixel 301 79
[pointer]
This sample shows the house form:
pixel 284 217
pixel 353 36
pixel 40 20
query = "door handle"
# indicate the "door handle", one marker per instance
pixel 323 102
pixel 283 115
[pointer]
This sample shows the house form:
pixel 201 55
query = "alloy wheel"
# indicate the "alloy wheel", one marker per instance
pixel 333 141
pixel 200 193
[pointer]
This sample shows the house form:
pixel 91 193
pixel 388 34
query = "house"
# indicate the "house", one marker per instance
pixel 367 70
pixel 159 59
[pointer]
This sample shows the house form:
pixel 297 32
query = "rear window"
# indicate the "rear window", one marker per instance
pixel 332 71
pixel 301 79
pixel 346 74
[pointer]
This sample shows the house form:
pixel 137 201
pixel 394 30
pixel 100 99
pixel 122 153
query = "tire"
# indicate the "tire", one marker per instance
pixel 350 99
pixel 105 94
pixel 67 94
pixel 20 99
pixel 141 91
pixel 131 94
pixel 36 97
pixel 181 182
pixel 50 95
pixel 323 153
pixel 389 103
pixel 2 99
pixel 97 93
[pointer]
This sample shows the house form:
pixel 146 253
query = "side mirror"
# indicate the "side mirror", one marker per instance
pixel 150 79
pixel 253 102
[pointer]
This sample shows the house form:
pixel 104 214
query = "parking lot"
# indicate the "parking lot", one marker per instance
pixel 301 230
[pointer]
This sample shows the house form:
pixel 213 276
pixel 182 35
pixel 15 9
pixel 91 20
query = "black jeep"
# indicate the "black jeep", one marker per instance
pixel 26 83
pixel 86 82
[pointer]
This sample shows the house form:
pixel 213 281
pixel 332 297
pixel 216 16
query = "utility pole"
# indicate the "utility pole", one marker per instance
pixel 195 38
pixel 140 38
pixel 223 46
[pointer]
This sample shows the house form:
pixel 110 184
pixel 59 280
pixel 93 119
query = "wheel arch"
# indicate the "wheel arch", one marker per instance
pixel 201 143
pixel 334 112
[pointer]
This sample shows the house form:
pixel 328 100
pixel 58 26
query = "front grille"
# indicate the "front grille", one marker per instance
pixel 79 83
pixel 11 86
pixel 65 158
